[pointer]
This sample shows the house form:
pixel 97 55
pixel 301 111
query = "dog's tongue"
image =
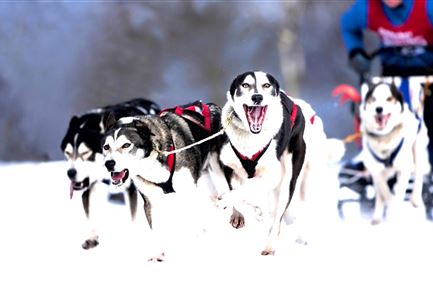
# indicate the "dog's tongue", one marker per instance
pixel 256 115
pixel 117 176
pixel 381 120
pixel 71 190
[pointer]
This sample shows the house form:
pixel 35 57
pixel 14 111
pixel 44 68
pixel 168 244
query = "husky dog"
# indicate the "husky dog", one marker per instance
pixel 82 148
pixel 141 148
pixel 394 141
pixel 265 150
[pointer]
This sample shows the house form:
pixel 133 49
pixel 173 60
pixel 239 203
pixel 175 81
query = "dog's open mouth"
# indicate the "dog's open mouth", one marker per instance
pixel 78 186
pixel 255 116
pixel 118 178
pixel 382 120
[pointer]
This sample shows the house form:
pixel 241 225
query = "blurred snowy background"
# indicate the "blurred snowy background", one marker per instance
pixel 60 58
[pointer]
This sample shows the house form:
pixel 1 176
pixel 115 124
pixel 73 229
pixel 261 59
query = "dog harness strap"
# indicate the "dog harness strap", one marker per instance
pixel 390 160
pixel 167 186
pixel 293 115
pixel 249 164
pixel 293 112
pixel 197 112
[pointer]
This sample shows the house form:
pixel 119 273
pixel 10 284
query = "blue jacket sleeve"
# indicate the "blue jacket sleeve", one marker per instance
pixel 430 11
pixel 353 23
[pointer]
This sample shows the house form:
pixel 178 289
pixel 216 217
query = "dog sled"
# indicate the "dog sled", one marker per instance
pixel 356 188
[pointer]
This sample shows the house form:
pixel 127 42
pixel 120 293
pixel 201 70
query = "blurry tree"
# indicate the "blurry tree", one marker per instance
pixel 292 54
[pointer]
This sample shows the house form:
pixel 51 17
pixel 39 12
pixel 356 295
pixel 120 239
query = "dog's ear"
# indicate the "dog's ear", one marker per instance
pixel 233 86
pixel 109 121
pixel 395 91
pixel 74 122
pixel 274 83
pixel 145 134
pixel 369 82
pixel 142 129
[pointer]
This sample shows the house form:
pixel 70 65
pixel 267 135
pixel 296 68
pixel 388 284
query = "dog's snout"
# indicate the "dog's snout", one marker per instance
pixel 257 98
pixel 72 173
pixel 379 109
pixel 109 164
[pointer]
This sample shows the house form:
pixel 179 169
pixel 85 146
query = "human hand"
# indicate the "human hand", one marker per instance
pixel 360 61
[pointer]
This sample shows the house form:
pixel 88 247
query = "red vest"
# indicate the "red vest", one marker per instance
pixel 416 30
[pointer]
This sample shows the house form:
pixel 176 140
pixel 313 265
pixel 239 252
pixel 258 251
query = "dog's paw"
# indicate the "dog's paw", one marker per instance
pixel 237 220
pixel 157 258
pixel 90 243
pixel 268 252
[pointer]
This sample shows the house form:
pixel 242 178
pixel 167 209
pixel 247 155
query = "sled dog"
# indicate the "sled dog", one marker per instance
pixel 394 142
pixel 265 150
pixel 82 148
pixel 141 148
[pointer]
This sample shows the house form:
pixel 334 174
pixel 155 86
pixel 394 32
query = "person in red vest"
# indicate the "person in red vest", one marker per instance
pixel 405 30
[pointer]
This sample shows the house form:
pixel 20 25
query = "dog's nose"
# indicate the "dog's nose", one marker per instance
pixel 257 98
pixel 72 173
pixel 379 109
pixel 109 164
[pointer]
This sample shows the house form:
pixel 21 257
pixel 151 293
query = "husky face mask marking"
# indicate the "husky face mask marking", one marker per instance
pixel 382 108
pixel 123 147
pixel 251 93
pixel 81 151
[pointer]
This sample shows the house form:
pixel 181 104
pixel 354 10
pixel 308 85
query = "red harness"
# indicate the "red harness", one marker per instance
pixel 249 164
pixel 197 113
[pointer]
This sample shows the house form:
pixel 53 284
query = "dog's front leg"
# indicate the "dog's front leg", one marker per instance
pixel 401 185
pixel 249 194
pixel 383 196
pixel 151 194
pixel 421 167
pixel 93 200
pixel 395 206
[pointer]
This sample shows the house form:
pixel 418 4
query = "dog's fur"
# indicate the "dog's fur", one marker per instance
pixel 394 143
pixel 135 147
pixel 265 150
pixel 82 148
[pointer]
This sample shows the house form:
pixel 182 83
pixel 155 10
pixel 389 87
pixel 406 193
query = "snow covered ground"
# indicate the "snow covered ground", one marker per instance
pixel 41 232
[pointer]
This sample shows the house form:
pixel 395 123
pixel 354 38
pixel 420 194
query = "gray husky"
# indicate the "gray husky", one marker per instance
pixel 142 148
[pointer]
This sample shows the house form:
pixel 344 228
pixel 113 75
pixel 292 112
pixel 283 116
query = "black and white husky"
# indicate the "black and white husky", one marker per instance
pixel 277 153
pixel 394 144
pixel 265 148
pixel 144 149
pixel 82 148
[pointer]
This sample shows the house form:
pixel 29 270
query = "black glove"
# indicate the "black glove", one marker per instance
pixel 360 61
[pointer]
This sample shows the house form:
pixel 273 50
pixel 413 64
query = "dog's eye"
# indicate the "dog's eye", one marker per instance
pixel 126 145
pixel 106 147
pixel 68 154
pixel 389 99
pixel 266 85
pixel 245 85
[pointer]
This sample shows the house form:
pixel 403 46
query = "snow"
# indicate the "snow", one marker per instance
pixel 41 257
